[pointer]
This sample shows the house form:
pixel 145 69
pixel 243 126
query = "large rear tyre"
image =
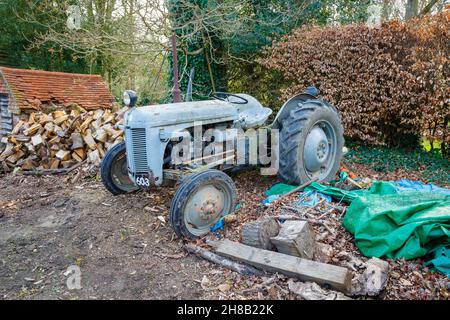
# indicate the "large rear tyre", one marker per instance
pixel 311 143
pixel 200 202
pixel 114 171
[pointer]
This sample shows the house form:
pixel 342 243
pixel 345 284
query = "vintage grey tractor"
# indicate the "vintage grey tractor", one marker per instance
pixel 308 147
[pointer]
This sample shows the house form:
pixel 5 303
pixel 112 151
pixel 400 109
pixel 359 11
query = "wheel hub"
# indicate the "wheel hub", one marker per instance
pixel 205 207
pixel 208 210
pixel 316 150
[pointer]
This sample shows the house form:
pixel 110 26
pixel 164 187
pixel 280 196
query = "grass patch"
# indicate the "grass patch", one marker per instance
pixel 433 166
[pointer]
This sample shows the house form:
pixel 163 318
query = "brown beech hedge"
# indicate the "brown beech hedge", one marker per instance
pixel 390 83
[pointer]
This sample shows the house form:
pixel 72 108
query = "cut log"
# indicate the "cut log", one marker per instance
pixel 49 127
pixel 63 155
pixel 32 130
pixel 54 141
pixel 108 117
pixel 258 233
pixel 94 157
pixel 296 238
pixel 9 150
pixel 101 135
pixel 98 114
pixel 32 118
pixel 17 127
pixel 58 114
pixel 45 118
pixel 61 119
pixel 87 137
pixel 80 153
pixel 15 157
pixel 373 280
pixel 101 151
pixel 27 164
pixel 86 123
pixel 77 141
pixel 114 133
pixel 76 157
pixel 37 140
pixel 55 164
pixel 305 270
pixel 21 138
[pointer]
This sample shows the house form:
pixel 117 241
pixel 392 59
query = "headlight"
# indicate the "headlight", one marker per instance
pixel 129 98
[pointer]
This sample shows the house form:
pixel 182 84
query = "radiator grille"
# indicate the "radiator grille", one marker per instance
pixel 139 148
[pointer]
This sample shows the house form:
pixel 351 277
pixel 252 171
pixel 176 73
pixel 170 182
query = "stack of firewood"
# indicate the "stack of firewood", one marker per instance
pixel 60 139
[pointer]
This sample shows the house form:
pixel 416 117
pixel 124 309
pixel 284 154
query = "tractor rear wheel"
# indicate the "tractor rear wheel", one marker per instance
pixel 311 143
pixel 114 171
pixel 200 202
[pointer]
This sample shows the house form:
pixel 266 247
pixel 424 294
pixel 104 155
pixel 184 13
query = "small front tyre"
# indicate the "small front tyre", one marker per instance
pixel 200 202
pixel 114 171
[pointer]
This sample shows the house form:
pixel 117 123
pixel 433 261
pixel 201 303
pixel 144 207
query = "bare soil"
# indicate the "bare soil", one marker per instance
pixel 126 249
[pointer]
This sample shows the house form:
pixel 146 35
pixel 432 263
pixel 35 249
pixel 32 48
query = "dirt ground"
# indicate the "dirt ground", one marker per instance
pixel 126 249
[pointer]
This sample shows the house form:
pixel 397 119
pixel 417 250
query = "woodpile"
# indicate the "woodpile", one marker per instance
pixel 61 139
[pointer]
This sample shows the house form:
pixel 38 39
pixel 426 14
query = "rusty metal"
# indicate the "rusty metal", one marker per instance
pixel 176 92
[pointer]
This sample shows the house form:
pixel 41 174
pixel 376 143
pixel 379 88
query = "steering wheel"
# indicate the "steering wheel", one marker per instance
pixel 223 96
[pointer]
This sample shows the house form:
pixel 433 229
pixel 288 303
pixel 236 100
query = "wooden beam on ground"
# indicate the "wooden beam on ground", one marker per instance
pixel 306 270
pixel 224 262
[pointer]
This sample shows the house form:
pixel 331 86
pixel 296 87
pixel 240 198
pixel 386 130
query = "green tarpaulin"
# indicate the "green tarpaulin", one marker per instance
pixel 392 224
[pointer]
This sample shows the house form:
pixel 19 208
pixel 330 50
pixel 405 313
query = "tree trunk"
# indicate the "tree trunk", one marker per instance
pixel 428 7
pixel 412 9
pixel 386 11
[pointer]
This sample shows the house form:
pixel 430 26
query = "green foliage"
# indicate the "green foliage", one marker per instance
pixel 231 35
pixel 432 166
pixel 18 36
pixel 199 47
pixel 272 20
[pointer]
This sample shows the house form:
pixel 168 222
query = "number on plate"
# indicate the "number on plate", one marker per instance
pixel 143 182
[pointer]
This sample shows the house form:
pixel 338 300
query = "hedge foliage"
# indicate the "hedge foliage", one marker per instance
pixel 390 83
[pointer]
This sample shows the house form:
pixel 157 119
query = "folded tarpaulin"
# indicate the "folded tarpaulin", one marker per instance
pixel 336 193
pixel 404 184
pixel 441 260
pixel 399 225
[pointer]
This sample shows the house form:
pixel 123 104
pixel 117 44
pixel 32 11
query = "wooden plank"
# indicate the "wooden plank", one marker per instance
pixel 305 270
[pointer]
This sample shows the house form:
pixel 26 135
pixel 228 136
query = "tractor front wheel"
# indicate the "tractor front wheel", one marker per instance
pixel 200 202
pixel 114 171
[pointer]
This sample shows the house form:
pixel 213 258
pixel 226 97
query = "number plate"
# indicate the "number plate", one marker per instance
pixel 143 181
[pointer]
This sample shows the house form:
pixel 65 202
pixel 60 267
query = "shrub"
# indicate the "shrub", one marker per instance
pixel 374 76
